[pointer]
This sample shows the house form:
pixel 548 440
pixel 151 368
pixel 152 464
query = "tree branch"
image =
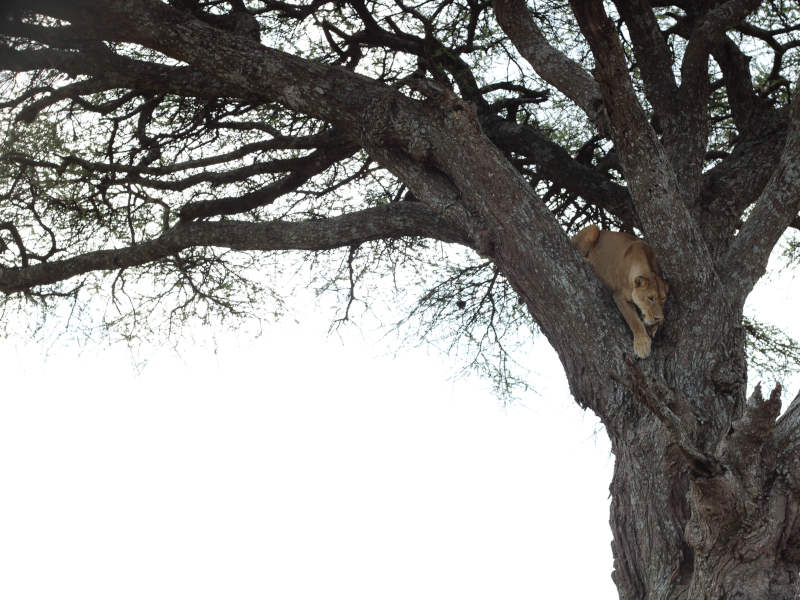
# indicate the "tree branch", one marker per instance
pixel 777 206
pixel 709 31
pixel 652 56
pixel 329 142
pixel 554 163
pixel 327 92
pixel 388 221
pixel 741 449
pixel 435 146
pixel 786 438
pixel 315 163
pixel 550 64
pixel 732 185
pixel 695 88
pixel 115 71
pixel 749 111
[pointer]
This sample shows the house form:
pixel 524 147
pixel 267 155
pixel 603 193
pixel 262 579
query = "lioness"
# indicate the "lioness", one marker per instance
pixel 627 266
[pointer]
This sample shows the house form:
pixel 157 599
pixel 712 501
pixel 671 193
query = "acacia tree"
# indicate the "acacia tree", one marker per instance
pixel 156 151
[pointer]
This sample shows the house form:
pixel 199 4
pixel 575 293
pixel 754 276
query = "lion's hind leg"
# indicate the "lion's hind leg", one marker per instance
pixel 586 238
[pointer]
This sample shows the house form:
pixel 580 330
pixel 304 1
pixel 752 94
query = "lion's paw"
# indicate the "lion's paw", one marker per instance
pixel 641 346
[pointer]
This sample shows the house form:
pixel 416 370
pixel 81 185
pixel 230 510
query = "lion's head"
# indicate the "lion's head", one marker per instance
pixel 649 294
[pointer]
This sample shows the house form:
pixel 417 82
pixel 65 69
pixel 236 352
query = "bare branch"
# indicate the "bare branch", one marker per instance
pixel 111 70
pixel 24 256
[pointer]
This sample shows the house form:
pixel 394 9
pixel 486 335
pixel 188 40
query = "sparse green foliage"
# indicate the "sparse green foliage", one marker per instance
pixel 771 352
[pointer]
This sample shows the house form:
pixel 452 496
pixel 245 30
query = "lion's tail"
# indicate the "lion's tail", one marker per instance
pixel 586 238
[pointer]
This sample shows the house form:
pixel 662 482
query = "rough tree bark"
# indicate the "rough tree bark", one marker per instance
pixel 706 487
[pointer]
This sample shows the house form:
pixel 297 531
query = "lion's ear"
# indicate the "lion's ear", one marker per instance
pixel 640 281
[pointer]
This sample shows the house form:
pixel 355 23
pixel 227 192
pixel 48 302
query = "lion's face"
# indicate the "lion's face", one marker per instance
pixel 649 294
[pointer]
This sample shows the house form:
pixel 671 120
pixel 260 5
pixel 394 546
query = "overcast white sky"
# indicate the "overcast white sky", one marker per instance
pixel 298 466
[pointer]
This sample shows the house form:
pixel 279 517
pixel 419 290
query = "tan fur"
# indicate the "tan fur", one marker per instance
pixel 628 267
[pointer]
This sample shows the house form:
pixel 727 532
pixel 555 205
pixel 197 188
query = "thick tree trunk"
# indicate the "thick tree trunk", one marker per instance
pixel 700 508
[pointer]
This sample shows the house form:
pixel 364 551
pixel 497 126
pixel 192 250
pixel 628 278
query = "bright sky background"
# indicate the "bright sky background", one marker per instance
pixel 299 466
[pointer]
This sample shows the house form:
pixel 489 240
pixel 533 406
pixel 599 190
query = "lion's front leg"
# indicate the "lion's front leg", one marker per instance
pixel 641 345
pixel 641 339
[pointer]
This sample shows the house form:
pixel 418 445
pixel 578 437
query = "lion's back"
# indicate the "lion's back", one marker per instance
pixel 614 255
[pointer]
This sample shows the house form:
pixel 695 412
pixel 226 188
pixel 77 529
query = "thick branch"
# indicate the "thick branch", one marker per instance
pixel 389 221
pixel 554 163
pixel 708 32
pixel 327 92
pixel 652 56
pixel 732 185
pixel 550 64
pixel 775 209
pixel 747 108
pixel 112 70
pixel 695 88
pixel 741 449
